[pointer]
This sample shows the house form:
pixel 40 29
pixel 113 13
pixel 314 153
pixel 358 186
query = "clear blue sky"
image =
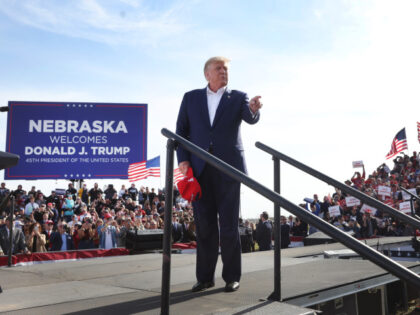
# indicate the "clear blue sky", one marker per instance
pixel 338 78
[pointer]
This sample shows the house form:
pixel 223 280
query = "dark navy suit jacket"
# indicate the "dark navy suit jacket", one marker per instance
pixel 56 242
pixel 223 137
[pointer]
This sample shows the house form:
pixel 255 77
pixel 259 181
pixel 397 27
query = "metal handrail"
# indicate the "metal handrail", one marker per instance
pixel 364 250
pixel 350 190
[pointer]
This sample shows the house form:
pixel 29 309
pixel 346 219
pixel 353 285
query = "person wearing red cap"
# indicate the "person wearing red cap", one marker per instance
pixel 211 118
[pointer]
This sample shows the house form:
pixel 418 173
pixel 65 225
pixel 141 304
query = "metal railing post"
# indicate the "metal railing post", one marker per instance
pixel 167 236
pixel 12 212
pixel 276 295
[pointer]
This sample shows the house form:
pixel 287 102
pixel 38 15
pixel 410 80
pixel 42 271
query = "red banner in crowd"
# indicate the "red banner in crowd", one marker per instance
pixel 68 255
pixel 25 259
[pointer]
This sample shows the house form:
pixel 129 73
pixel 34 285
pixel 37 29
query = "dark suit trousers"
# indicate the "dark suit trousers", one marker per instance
pixel 220 199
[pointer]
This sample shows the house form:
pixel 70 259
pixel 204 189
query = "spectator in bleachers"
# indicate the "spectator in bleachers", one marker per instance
pixel 68 207
pixel 3 191
pixel 86 235
pixel 61 240
pixel 53 198
pixel 40 199
pixel 78 205
pixel 108 233
pixel 95 193
pixel 358 180
pixel 71 191
pixel 299 228
pixel 177 231
pixel 31 206
pixel 83 194
pixel 133 192
pixel 47 231
pixel 18 239
pixel 35 240
pixel 368 226
pixel 32 191
pixel 122 191
pixel 110 192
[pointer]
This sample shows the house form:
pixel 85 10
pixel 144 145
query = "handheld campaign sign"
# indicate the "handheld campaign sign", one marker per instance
pixel 384 191
pixel 352 201
pixel 334 211
pixel 357 164
pixel 405 207
pixel 63 140
pixel 367 208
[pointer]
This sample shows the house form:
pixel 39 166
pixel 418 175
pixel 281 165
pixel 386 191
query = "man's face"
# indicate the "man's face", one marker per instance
pixel 217 74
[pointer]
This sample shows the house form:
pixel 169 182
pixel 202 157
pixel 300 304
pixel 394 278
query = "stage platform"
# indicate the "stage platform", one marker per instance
pixel 131 284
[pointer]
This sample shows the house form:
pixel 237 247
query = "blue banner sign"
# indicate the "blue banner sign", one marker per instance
pixel 60 140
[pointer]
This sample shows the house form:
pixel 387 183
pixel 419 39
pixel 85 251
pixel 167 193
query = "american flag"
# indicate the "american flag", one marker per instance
pixel 418 130
pixel 177 175
pixel 399 144
pixel 142 170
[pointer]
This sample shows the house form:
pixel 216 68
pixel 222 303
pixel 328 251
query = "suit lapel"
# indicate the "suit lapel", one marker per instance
pixel 224 101
pixel 204 108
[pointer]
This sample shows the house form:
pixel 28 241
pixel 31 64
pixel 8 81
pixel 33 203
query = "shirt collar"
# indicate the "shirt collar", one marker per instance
pixel 219 91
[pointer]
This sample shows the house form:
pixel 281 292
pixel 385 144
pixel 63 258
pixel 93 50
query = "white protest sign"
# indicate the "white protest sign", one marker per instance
pixel 357 164
pixel 407 196
pixel 367 208
pixel 405 207
pixel 352 201
pixel 334 211
pixel 384 191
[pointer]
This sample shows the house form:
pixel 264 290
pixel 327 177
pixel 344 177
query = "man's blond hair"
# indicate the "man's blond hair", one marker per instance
pixel 215 59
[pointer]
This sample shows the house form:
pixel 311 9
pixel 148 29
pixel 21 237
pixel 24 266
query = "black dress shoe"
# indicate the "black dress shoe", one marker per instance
pixel 200 286
pixel 232 286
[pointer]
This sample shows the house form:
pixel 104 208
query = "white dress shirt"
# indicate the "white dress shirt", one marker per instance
pixel 213 101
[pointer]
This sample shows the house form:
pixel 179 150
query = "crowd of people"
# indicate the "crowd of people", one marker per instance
pixel 366 222
pixel 94 218
pixel 88 218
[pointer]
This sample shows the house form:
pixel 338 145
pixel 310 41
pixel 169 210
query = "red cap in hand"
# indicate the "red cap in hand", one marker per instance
pixel 189 188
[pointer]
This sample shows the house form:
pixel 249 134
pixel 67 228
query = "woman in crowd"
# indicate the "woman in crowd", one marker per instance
pixel 35 240
pixel 86 235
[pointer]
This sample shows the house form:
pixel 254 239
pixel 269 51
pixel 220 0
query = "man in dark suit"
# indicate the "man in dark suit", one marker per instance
pixel 211 118
pixel 264 232
pixel 177 231
pixel 61 240
pixel 284 232
pixel 18 241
